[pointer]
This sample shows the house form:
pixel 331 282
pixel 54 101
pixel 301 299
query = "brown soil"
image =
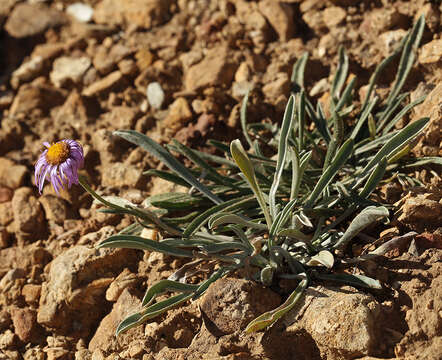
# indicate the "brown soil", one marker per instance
pixel 61 78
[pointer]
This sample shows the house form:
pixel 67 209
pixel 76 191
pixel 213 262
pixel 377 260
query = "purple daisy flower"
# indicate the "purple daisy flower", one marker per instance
pixel 59 163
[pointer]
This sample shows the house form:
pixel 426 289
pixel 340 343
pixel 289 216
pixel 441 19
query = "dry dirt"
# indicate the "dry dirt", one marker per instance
pixel 179 69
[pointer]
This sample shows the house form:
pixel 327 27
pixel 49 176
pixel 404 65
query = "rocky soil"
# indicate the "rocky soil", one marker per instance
pixel 179 69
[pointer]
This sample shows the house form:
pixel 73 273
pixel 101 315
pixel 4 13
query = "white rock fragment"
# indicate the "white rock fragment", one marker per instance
pixel 81 12
pixel 27 71
pixel 68 68
pixel 155 95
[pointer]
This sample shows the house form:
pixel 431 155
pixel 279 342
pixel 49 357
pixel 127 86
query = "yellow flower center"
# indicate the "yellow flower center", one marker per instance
pixel 57 153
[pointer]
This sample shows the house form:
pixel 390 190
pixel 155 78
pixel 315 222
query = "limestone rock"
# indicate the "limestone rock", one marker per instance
pixel 104 338
pixel 31 293
pixel 155 95
pixel 23 257
pixel 55 208
pixel 5 9
pixel 430 143
pixel 27 71
pixel 105 60
pixel 25 324
pixel 214 69
pixel 12 175
pixel 104 84
pixel 81 12
pixel 279 86
pixel 76 284
pixel 122 117
pixel 389 40
pixel 342 323
pixel 143 13
pixel 5 194
pixel 421 210
pixel 280 16
pixel 107 145
pixel 431 53
pixel 32 19
pixel 32 97
pixel 6 213
pixel 232 303
pixel 126 279
pixel 28 214
pixel 179 114
pixel 333 16
pixel 67 68
pixel 119 174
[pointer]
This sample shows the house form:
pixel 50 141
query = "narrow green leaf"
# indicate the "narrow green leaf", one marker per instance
pixel 163 155
pixel 223 218
pixel 272 316
pixel 328 175
pixel 198 161
pixel 166 285
pixel 366 217
pixel 295 234
pixel 402 113
pixel 227 206
pixel 408 56
pixel 286 128
pixel 379 70
pixel 246 167
pixel 167 176
pixel 364 115
pixel 346 95
pixel 243 117
pixel 282 220
pixel 353 280
pixel 297 78
pixel 151 312
pixel 137 242
pixel 396 142
pixel 323 258
pixel 301 119
pixel 341 73
pixel 175 201
pixel 374 179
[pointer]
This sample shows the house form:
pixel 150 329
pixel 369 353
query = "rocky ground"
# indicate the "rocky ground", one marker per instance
pixel 178 68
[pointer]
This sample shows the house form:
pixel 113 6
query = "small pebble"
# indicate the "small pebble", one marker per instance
pixel 81 12
pixel 155 95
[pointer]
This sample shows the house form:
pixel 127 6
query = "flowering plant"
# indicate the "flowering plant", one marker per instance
pixel 285 209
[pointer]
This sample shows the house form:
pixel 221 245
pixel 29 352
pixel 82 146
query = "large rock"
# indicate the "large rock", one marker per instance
pixel 25 324
pixel 143 13
pixel 119 174
pixel 104 84
pixel 421 210
pixel 341 321
pixel 215 69
pixel 422 309
pixel 431 53
pixel 75 286
pixel 230 304
pixel 28 213
pixel 430 143
pixel 5 9
pixel 27 71
pixel 12 175
pixel 67 69
pixel 23 257
pixel 31 97
pixel 32 19
pixel 280 16
pixel 104 338
pixel 55 208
